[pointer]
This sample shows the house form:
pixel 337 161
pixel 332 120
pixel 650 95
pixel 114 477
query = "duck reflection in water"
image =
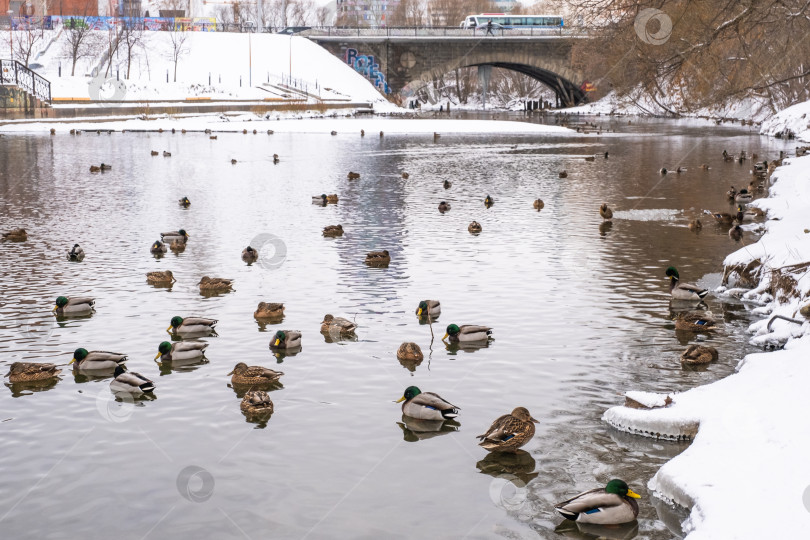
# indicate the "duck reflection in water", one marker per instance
pixel 20 389
pixel 414 430
pixel 519 464
pixel 605 228
pixel 573 529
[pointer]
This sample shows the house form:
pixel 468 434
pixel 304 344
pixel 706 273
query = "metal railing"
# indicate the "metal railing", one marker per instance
pixel 14 73
pixel 434 31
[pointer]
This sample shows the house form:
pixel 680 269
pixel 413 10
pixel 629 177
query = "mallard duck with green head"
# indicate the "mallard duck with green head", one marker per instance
pixel 429 307
pixel 97 360
pixel 191 325
pixel 612 505
pixel 683 291
pixel 286 339
pixel 131 382
pixel 74 305
pixel 467 332
pixel 158 248
pixel 180 236
pixel 243 374
pixel 489 201
pixel 509 432
pixel 21 372
pixel 426 405
pixel 181 351
pixel 184 202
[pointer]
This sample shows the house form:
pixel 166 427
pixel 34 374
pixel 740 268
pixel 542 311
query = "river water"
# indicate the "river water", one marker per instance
pixel 579 310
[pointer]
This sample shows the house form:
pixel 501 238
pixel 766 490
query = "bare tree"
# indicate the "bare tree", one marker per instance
pixel 409 13
pixel 78 41
pixel 131 37
pixel 113 41
pixel 710 51
pixel 323 16
pixel 26 42
pixel 178 41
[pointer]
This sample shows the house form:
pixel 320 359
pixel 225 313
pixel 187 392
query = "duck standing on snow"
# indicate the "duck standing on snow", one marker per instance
pixel 612 505
pixel 509 432
pixel 683 291
pixel 426 405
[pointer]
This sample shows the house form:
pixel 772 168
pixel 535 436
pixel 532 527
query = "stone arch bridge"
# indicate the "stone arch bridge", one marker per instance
pixel 403 64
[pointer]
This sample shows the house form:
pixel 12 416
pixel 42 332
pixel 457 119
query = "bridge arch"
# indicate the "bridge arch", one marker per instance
pixel 556 75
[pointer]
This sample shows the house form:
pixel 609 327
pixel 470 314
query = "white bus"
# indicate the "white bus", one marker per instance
pixel 502 20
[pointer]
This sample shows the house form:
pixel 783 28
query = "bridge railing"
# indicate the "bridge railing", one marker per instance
pixel 432 31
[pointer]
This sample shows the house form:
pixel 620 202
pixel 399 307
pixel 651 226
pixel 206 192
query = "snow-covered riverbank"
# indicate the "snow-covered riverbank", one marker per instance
pixel 746 475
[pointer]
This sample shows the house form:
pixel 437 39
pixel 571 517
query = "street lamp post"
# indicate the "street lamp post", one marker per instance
pixel 11 33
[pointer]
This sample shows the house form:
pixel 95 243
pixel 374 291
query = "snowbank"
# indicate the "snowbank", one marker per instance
pixel 217 65
pixel 794 119
pixel 746 474
pixel 637 103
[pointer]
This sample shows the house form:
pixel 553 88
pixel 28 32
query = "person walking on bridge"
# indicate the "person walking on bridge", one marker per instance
pixel 489 28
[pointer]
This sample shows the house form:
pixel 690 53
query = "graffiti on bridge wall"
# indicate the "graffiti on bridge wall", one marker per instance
pixel 366 66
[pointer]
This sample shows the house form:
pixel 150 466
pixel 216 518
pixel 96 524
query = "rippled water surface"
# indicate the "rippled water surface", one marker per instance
pixel 579 310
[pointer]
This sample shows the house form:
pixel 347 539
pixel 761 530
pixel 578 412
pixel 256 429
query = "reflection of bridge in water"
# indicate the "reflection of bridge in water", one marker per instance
pixel 405 59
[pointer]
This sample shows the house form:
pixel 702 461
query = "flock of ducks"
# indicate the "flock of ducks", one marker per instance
pixel 613 504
